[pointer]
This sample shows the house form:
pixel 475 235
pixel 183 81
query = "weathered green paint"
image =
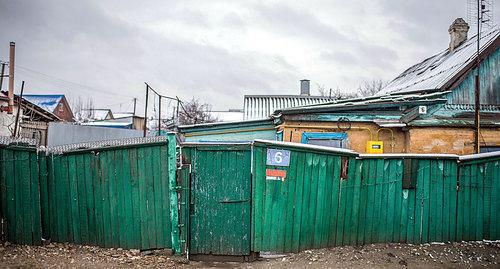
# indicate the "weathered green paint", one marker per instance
pixel 219 220
pixel 20 177
pixel 111 197
pixel 370 206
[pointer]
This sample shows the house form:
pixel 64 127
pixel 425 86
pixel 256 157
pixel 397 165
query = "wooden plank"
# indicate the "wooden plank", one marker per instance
pixel 495 202
pixel 445 189
pixel 120 182
pixel 487 185
pixel 106 172
pixel 89 196
pixel 159 216
pixel 82 198
pixel 318 198
pixel 460 203
pixel 378 201
pixel 355 177
pixel 258 199
pixel 327 212
pixel 44 195
pixel 136 199
pixel 433 201
pixel 339 237
pixel 299 201
pixel 36 224
pixel 10 165
pixel 391 203
pixel 469 195
pixel 150 194
pixel 305 229
pixel 426 167
pixel 313 202
pixel 453 199
pixel 290 202
pixel 125 188
pixel 74 201
pixel 141 169
pixel 166 196
pixel 364 165
pixel 97 178
pixel 113 199
pixel 479 218
pixel 22 197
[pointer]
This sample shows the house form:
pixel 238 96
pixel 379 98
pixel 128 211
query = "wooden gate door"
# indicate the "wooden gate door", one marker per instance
pixel 220 206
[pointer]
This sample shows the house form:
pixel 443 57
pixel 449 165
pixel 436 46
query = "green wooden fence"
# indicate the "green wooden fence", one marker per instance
pixel 21 171
pixel 398 198
pixel 111 197
pixel 478 200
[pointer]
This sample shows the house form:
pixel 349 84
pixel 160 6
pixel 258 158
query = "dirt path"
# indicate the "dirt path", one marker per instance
pixel 454 255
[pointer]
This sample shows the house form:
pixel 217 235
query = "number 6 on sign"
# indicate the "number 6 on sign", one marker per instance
pixel 278 157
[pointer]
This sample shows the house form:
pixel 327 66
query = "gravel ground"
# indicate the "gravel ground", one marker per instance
pixel 482 254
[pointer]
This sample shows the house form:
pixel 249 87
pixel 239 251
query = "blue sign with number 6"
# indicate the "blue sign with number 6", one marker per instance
pixel 278 157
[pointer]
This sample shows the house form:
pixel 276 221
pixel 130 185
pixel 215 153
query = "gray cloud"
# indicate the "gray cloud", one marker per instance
pixel 186 48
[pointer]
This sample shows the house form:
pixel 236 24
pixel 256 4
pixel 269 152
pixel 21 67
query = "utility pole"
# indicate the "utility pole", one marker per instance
pixel 477 101
pixel 19 101
pixel 12 56
pixel 159 115
pixel 146 111
pixel 1 75
pixel 135 104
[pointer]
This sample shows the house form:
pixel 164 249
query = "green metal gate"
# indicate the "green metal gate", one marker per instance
pixel 219 199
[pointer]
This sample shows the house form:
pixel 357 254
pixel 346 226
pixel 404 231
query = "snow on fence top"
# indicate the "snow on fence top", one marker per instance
pixel 106 143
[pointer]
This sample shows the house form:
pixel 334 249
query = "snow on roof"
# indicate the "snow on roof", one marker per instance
pixel 48 102
pixel 436 71
pixel 118 115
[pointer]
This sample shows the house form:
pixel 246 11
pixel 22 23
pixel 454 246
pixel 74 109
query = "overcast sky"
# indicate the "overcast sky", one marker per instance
pixel 216 51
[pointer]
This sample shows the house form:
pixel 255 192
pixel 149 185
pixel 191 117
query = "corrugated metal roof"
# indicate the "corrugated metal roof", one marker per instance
pixel 262 106
pixel 436 71
pixel 48 102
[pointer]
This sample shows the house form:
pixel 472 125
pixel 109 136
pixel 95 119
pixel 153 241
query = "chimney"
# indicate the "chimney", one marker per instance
pixel 458 33
pixel 11 76
pixel 304 87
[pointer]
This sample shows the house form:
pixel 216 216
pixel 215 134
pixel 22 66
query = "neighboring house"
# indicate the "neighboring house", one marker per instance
pixel 33 120
pixel 229 131
pixel 53 103
pixel 128 122
pixel 429 108
pixel 261 106
pixel 94 114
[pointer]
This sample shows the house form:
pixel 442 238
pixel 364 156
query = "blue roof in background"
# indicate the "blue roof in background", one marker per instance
pixel 48 102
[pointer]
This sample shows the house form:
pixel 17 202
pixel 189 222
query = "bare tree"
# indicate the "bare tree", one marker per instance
pixel 339 94
pixel 370 88
pixel 321 90
pixel 194 112
pixel 82 109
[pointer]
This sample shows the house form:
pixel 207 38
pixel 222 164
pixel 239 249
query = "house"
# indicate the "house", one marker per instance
pixel 53 103
pixel 429 108
pixel 261 106
pixel 32 123
pixel 123 122
pixel 230 131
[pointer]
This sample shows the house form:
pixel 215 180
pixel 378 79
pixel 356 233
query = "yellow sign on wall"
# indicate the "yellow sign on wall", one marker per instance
pixel 375 147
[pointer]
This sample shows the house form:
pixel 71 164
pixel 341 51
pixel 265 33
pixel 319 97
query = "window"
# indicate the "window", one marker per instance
pixel 410 173
pixel 335 140
pixel 61 107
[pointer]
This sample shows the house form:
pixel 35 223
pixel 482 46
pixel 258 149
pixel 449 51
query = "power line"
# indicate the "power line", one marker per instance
pixel 63 82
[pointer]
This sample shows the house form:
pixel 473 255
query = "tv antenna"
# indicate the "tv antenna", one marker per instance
pixel 485 19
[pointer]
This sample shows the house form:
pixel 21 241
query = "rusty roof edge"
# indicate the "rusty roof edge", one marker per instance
pixel 480 156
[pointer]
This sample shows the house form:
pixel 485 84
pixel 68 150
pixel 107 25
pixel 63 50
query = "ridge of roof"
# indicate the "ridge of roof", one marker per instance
pixel 437 70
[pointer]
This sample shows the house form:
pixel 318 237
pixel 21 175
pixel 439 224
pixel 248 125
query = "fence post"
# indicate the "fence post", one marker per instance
pixel 172 180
